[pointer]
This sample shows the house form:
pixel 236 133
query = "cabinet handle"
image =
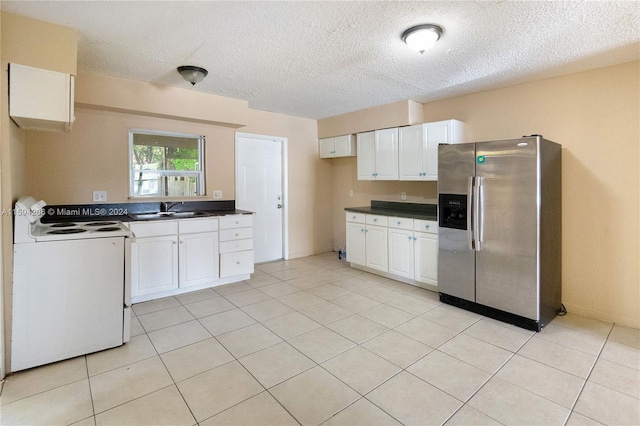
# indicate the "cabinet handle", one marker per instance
pixel 399 222
pixel 409 238
pixel 354 217
pixel 237 235
pixel 174 243
pixel 426 227
pixel 181 242
pixel 238 262
pixel 414 238
pixel 237 223
pixel 375 220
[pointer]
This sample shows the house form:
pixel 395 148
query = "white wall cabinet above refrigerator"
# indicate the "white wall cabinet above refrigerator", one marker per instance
pixel 41 99
pixel 378 155
pixel 405 153
pixel 418 148
pixel 338 146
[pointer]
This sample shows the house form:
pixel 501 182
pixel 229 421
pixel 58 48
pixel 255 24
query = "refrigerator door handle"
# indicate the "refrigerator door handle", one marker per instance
pixel 470 202
pixel 477 206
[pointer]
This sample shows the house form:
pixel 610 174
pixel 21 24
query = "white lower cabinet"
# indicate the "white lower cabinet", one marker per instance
pixel 367 241
pixel 236 245
pixel 154 257
pixel 401 252
pixel 174 256
pixel 400 248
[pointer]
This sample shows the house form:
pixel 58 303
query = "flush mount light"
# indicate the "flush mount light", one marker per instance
pixel 192 73
pixel 422 37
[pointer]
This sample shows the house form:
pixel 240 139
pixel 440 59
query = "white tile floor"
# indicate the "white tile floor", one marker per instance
pixel 311 341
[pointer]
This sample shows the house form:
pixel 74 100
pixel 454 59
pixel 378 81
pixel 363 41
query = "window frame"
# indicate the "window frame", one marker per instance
pixel 200 175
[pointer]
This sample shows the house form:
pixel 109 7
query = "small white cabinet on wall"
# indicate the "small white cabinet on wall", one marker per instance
pixel 338 146
pixel 41 99
pixel 378 155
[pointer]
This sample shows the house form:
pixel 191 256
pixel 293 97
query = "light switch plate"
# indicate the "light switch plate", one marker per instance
pixel 100 196
pixel 351 193
pixel 403 196
pixel 217 194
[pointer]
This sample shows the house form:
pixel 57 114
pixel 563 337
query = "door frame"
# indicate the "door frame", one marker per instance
pixel 285 181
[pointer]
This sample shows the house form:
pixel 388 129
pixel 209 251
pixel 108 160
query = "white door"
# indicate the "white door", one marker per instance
pixel 355 243
pixel 387 154
pixel 426 258
pixel 198 255
pixel 259 189
pixel 366 158
pixel 376 251
pixel 401 252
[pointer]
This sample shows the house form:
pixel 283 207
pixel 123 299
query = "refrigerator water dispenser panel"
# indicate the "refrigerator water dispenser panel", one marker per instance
pixel 453 211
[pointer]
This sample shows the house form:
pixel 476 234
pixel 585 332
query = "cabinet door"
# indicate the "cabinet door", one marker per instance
pixel 435 133
pixel 154 265
pixel 366 156
pixel 326 148
pixel 356 243
pixel 198 256
pixel 40 99
pixel 386 154
pixel 344 146
pixel 401 252
pixel 236 263
pixel 376 250
pixel 411 153
pixel 426 258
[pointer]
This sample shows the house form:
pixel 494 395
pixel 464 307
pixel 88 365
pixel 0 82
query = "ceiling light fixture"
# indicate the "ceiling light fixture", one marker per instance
pixel 422 37
pixel 192 73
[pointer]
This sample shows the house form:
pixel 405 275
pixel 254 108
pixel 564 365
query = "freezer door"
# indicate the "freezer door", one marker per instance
pixel 456 259
pixel 507 250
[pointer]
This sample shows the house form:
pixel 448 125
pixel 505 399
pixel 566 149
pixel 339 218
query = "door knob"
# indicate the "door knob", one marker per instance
pixel 279 206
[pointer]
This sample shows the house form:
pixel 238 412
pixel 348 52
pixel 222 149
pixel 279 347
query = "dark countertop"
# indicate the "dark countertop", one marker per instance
pixel 390 208
pixel 125 212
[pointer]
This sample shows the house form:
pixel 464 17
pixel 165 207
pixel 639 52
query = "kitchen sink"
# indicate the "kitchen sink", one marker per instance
pixel 167 215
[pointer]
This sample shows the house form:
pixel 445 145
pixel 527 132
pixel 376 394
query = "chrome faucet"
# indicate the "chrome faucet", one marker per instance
pixel 165 206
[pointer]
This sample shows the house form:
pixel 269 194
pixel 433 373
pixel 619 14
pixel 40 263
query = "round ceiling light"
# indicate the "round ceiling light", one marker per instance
pixel 422 37
pixel 192 73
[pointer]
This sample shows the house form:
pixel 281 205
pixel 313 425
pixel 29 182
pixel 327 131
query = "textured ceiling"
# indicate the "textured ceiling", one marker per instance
pixel 323 58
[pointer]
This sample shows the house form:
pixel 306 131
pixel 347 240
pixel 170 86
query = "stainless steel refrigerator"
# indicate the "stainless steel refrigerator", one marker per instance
pixel 500 237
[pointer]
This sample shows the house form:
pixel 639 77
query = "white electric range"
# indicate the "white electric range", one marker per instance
pixel 71 287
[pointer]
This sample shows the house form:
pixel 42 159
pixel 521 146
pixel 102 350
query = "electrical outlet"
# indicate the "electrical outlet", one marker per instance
pixel 351 193
pixel 100 196
pixel 403 196
pixel 217 194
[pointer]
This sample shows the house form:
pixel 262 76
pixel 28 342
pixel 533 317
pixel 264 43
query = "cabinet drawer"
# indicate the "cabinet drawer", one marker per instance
pixel 236 234
pixel 154 229
pixel 236 221
pixel 430 226
pixel 400 223
pixel 237 263
pixel 235 245
pixel 355 217
pixel 373 219
pixel 192 226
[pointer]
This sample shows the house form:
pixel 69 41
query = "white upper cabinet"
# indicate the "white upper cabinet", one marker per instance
pixel 378 155
pixel 418 148
pixel 339 146
pixel 40 99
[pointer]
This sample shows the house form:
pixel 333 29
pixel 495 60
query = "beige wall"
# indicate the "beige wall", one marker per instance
pixel 401 113
pixel 595 115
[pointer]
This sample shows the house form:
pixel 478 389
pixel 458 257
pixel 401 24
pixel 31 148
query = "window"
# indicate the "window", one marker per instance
pixel 165 164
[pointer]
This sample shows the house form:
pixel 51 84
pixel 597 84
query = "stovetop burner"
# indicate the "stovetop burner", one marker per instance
pixel 108 229
pixel 67 231
pixel 101 224
pixel 62 225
